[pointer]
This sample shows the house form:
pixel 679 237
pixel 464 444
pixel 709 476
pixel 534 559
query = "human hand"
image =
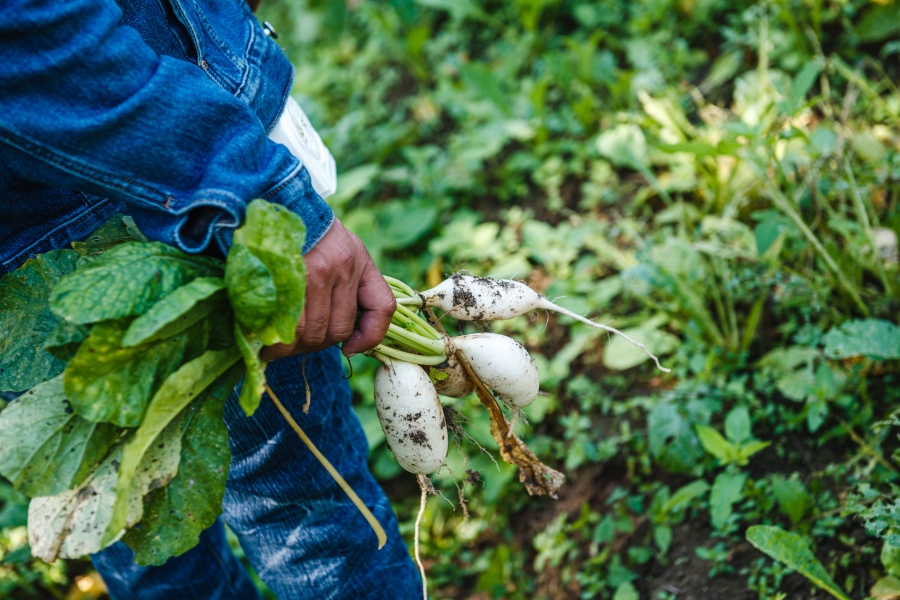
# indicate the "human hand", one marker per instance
pixel 341 279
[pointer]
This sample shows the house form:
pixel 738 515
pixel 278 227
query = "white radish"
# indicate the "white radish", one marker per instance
pixel 470 298
pixel 457 383
pixel 501 363
pixel 411 416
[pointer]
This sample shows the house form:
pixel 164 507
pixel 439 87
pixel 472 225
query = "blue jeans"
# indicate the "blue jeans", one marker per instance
pixel 297 527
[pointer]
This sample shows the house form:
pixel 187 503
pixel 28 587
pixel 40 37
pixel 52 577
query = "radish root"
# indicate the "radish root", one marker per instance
pixel 547 305
pixel 305 407
pixel 427 488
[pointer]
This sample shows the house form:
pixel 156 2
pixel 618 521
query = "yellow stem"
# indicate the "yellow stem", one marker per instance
pixel 376 526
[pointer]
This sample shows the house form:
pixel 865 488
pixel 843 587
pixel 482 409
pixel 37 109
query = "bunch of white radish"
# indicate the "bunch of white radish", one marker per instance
pixel 406 396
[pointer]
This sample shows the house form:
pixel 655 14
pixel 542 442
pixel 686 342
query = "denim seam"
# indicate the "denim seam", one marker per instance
pixel 75 167
pixel 178 38
pixel 284 182
pixel 223 48
pixel 13 260
pixel 246 70
pixel 192 33
pixel 282 104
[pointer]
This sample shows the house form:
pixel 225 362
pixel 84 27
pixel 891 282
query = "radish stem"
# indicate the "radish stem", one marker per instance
pixel 393 282
pixel 418 359
pixel 424 328
pixel 414 340
pixel 357 501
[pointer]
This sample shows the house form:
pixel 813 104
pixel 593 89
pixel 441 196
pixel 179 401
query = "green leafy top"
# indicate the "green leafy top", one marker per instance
pixel 128 348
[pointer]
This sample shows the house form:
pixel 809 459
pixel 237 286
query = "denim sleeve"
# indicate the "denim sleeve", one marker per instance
pixel 85 104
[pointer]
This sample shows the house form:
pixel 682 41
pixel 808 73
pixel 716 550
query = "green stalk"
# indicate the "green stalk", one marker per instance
pixel 417 359
pixel 863 217
pixel 784 205
pixel 394 282
pixel 410 301
pixel 423 327
pixel 414 340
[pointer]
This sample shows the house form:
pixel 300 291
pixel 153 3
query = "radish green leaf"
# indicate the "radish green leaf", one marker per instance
pixel 26 320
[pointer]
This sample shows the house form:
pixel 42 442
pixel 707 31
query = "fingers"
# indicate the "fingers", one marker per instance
pixel 347 299
pixel 376 304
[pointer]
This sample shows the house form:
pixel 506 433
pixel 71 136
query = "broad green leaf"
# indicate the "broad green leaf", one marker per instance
pixel 715 444
pixel 625 146
pixel 626 591
pixel 13 507
pixel 672 439
pixel 875 338
pixel 684 495
pixel 737 424
pixel 26 320
pixel 886 588
pixel 727 489
pixel 255 378
pixel 176 392
pixel 65 338
pixel 158 466
pixel 126 281
pixel 45 448
pixel 794 550
pixel 890 559
pixel 879 22
pixel 662 537
pixel 275 236
pixel 118 230
pixel 788 359
pixel 106 382
pixel 251 289
pixel 71 524
pixel 176 312
pixel 749 449
pixel 175 515
pixel 805 79
pixel 620 354
pixel 792 497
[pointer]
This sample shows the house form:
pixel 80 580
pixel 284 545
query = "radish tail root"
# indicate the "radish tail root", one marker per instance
pixel 357 501
pixel 426 487
pixel 306 404
pixel 547 305
pixel 512 422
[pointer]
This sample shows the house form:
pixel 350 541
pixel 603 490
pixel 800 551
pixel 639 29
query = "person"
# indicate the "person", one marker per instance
pixel 160 109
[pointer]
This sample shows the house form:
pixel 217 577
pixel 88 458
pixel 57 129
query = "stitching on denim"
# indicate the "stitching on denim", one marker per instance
pixel 246 70
pixel 284 182
pixel 282 105
pixel 13 260
pixel 184 51
pixel 192 33
pixel 210 31
pixel 75 167
pixel 324 231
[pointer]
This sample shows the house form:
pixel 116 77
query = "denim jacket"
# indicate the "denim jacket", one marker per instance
pixel 156 108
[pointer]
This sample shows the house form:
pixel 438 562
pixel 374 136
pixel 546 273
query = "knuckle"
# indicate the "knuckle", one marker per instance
pixel 341 333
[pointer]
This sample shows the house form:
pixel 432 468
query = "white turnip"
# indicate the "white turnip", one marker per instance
pixel 470 298
pixel 501 363
pixel 411 416
pixel 457 383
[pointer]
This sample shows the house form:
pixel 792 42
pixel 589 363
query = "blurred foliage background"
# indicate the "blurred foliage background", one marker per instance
pixel 718 178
